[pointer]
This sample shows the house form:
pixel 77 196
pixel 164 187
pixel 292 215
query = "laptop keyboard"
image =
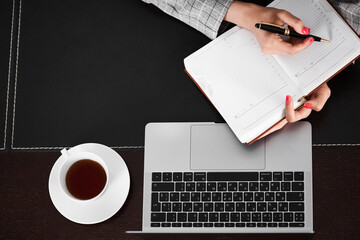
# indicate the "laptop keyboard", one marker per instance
pixel 227 199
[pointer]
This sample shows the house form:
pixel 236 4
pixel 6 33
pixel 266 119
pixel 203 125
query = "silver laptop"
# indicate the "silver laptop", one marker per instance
pixel 198 178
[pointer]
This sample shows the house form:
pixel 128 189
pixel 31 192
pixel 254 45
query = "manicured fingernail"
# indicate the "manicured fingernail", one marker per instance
pixel 305 30
pixel 311 41
pixel 309 29
pixel 308 105
pixel 288 99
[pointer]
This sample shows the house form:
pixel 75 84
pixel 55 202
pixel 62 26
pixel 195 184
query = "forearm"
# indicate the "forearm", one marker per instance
pixel 243 14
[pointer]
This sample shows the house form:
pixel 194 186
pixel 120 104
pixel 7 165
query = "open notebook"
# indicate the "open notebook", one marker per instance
pixel 248 87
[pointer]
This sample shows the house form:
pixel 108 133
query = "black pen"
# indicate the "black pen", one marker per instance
pixel 284 31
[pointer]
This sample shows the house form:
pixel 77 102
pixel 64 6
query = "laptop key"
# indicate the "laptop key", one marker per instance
pixel 248 196
pixel 288 217
pixel 213 217
pixel 158 217
pixel 288 176
pixel 296 206
pixel 240 207
pixel 224 217
pixel 261 224
pixel 240 224
pixel 176 224
pixel 229 207
pixel 192 217
pixel 188 176
pixel 155 207
pixel 235 217
pixel 203 217
pixel 155 225
pixel 200 186
pixel 187 207
pixel 283 206
pixel 277 176
pixel 237 196
pixel 277 217
pixel 280 196
pixel 251 207
pixel 166 207
pixel 176 207
pixel 299 217
pixel 222 186
pixel 219 207
pixel 253 186
pixel 171 217
pixel 295 196
pixel 229 224
pixel 181 217
pixel 198 207
pixel 261 206
pixel 162 187
pixel 164 197
pixel 269 196
pixel 275 186
pixel 208 224
pixel 297 224
pixel 232 186
pixel 177 176
pixel 180 186
pixel 184 196
pixel 245 217
pixel 167 176
pixel 200 176
pixel 259 196
pixel 250 224
pixel 211 186
pixel 227 196
pixel 265 176
pixel 197 224
pixel 243 186
pixel 187 224
pixel 219 224
pixel 195 197
pixel 233 176
pixel 264 186
pixel 272 224
pixel 206 197
pixel 299 176
pixel 190 186
pixel 156 176
pixel 267 217
pixel 256 217
pixel 297 186
pixel 283 225
pixel 165 224
pixel 208 207
pixel 285 186
pixel 216 197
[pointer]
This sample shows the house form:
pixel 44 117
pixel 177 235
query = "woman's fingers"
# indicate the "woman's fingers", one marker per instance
pixel 294 22
pixel 320 97
pixel 292 48
pixel 292 115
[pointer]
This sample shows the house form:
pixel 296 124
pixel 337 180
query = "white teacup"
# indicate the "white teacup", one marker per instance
pixel 70 159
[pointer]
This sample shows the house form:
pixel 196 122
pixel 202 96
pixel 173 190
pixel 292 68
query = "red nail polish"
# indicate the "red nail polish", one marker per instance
pixel 311 41
pixel 287 98
pixel 304 30
pixel 308 105
pixel 309 29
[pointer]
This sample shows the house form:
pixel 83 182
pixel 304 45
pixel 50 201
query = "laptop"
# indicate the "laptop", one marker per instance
pixel 198 178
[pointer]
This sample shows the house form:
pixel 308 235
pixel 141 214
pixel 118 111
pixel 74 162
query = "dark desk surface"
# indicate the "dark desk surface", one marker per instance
pixel 26 211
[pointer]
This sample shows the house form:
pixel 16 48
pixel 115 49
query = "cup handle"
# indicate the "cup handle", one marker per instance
pixel 65 153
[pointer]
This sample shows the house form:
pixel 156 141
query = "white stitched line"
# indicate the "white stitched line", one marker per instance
pixel 336 145
pixel 16 75
pixel 9 74
pixel 55 148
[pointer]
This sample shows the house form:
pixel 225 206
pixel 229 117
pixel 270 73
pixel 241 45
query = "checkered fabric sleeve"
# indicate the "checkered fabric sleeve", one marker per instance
pixel 350 11
pixel 204 15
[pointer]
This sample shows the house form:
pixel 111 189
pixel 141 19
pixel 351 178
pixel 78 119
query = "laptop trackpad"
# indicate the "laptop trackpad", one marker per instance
pixel 215 146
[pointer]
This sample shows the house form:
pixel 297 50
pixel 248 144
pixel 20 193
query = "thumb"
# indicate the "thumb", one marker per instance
pixel 294 22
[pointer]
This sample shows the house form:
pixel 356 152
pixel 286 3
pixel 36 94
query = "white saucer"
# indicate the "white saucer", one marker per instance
pixel 108 203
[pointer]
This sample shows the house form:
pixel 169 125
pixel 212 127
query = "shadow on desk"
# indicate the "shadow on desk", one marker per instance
pixel 28 213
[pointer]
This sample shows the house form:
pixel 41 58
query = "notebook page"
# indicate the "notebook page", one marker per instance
pixel 247 87
pixel 319 61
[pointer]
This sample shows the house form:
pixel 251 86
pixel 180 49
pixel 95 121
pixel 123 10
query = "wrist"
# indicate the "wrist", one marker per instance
pixel 243 14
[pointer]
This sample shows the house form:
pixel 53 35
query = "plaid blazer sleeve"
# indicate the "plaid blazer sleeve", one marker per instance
pixel 350 11
pixel 204 15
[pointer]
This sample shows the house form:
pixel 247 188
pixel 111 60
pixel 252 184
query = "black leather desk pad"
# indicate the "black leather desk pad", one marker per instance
pixel 6 9
pixel 98 71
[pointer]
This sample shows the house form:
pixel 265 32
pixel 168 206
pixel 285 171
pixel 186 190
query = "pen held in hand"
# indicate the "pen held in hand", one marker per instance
pixel 287 32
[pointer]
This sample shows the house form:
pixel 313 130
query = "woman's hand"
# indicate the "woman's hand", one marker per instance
pixel 246 15
pixel 316 102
